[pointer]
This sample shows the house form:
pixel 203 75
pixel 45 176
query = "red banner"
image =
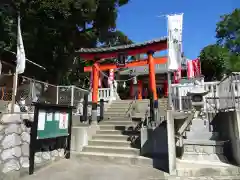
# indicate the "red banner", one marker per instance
pixel 193 68
pixel 177 75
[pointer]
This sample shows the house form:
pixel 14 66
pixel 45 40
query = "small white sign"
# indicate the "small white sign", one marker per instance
pixel 98 111
pixel 63 121
pixel 56 116
pixel 41 120
pixel 49 116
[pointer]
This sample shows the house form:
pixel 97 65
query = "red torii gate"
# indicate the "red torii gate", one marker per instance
pixel 143 62
pixel 96 54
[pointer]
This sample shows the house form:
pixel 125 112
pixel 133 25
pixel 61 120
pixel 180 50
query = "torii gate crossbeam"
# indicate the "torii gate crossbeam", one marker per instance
pixel 104 67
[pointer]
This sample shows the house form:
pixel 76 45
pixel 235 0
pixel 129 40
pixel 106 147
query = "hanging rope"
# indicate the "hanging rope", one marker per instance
pixel 114 80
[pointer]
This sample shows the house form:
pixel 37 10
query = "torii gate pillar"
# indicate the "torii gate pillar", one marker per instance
pixel 152 80
pixel 95 82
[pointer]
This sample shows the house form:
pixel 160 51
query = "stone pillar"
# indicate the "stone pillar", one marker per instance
pixel 171 143
pixel 95 73
pixel 237 124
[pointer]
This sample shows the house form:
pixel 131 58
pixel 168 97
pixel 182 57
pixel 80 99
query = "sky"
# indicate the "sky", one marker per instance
pixel 138 20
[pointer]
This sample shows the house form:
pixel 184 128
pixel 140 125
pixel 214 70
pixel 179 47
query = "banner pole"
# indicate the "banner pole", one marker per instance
pixel 14 91
pixel 169 73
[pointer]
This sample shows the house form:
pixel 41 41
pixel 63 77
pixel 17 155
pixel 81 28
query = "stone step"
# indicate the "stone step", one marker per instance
pixel 111 137
pixel 138 118
pixel 205 169
pixel 111 150
pixel 121 102
pixel 109 143
pixel 117 118
pixel 200 125
pixel 142 104
pixel 118 132
pixel 118 107
pixel 121 114
pixel 191 172
pixel 116 110
pixel 112 127
pixel 204 178
pixel 119 159
pixel 114 132
pixel 116 113
pixel 109 116
pixel 191 135
pixel 118 123
pixel 162 103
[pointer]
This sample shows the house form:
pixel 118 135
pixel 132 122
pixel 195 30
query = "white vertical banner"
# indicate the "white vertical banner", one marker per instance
pixel 63 121
pixel 21 63
pixel 111 76
pixel 21 59
pixel 175 24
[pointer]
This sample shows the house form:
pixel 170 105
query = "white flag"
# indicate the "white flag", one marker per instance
pixel 0 67
pixel 21 59
pixel 175 23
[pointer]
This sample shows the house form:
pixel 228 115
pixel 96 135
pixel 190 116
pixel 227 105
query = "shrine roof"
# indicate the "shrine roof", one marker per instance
pixel 131 49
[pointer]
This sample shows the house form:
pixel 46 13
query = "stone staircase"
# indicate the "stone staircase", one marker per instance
pixel 143 105
pixel 117 139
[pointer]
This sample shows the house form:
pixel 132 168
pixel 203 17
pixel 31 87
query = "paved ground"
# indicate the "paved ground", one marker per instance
pixel 88 170
pixel 94 170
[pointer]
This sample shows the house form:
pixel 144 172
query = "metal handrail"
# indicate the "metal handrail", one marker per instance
pixel 131 104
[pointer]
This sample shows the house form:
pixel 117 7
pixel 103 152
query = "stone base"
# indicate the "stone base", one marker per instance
pixel 191 135
pixel 207 150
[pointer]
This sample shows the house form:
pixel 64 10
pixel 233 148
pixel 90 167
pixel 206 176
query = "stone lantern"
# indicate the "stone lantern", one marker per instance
pixel 197 99
pixel 200 143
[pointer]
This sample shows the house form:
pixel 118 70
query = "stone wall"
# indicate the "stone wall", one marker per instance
pixel 151 144
pixel 228 126
pixel 14 145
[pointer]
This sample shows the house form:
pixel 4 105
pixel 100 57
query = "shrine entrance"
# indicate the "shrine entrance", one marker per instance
pixel 96 55
pixel 139 89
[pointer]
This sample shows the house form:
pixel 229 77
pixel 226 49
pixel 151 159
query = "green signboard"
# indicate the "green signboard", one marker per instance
pixel 51 121
pixel 52 124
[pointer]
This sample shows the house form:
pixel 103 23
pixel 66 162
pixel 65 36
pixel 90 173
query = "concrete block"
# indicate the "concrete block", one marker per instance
pixel 109 143
pixel 81 135
pixel 111 150
pixel 79 138
pixel 200 125
pixel 10 118
pixel 110 137
pixel 193 135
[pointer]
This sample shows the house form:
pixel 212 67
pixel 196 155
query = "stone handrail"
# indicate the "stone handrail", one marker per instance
pixel 180 91
pixel 107 94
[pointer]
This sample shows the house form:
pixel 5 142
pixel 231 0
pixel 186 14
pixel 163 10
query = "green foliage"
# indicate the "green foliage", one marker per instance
pixel 54 29
pixel 224 57
pixel 214 60
pixel 234 63
pixel 228 31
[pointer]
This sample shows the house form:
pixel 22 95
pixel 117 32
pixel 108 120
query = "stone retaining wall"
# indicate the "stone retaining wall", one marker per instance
pixel 14 145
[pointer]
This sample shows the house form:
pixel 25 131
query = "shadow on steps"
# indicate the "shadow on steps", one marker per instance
pixel 154 145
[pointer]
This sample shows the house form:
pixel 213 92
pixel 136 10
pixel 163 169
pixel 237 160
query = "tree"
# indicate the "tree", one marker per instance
pixel 54 29
pixel 214 62
pixel 224 56
pixel 228 31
